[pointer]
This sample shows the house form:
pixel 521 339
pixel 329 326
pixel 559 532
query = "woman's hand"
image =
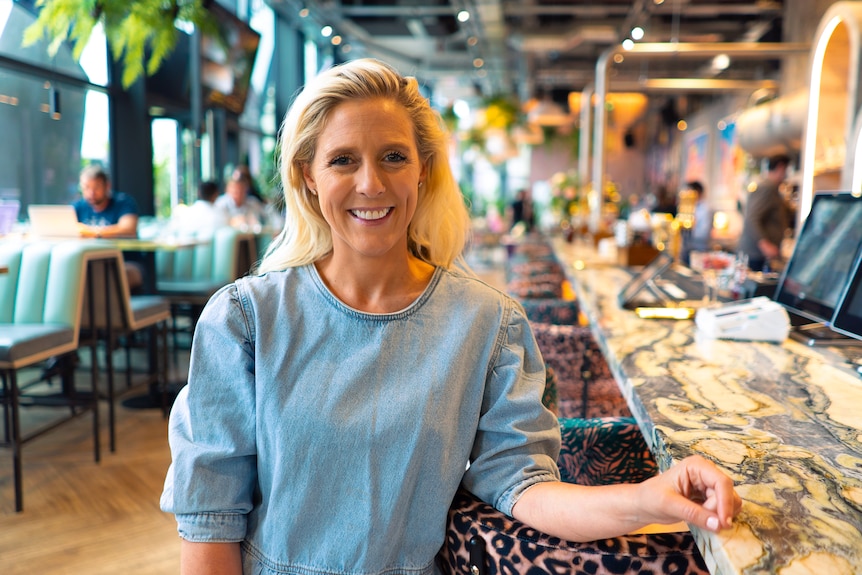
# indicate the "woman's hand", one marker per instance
pixel 694 491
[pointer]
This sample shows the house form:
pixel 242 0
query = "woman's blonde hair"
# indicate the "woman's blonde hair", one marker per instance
pixel 440 226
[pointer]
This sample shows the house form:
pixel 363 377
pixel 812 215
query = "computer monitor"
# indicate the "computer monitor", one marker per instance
pixel 848 314
pixel 825 251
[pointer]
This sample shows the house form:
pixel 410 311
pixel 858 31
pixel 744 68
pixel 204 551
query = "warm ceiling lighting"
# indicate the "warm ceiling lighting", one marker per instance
pixel 463 16
pixel 478 62
pixel 546 112
pixel 658 2
pixel 336 40
pixel 682 125
pixel 574 103
pixel 721 62
pixel 637 33
pixel 303 13
pixel 628 44
pixel 472 41
pixel 619 58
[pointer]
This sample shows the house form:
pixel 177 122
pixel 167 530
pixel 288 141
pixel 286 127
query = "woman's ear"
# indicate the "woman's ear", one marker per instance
pixel 309 179
pixel 423 173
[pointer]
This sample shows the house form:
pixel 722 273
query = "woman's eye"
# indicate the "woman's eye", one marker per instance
pixel 395 157
pixel 339 161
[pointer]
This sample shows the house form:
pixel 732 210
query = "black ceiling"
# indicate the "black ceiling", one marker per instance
pixel 530 46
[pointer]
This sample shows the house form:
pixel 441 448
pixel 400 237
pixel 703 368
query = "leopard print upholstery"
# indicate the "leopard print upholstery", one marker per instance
pixel 544 287
pixel 585 385
pixel 505 546
pixel 551 310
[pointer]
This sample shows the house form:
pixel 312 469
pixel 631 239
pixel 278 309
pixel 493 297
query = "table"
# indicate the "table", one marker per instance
pixel 784 421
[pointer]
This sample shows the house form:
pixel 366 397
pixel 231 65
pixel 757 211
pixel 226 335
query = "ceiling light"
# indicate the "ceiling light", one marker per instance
pixel 326 31
pixel 637 33
pixel 682 125
pixel 463 16
pixel 619 58
pixel 721 62
pixel 336 40
pixel 628 44
pixel 548 113
pixel 658 2
pixel 472 41
pixel 478 62
pixel 303 13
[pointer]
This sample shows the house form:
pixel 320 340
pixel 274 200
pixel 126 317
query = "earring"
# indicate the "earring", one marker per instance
pixel 313 192
pixel 420 184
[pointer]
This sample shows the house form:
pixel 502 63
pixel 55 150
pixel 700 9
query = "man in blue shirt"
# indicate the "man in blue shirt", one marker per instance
pixel 102 213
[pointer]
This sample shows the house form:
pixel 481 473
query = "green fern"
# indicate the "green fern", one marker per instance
pixel 130 28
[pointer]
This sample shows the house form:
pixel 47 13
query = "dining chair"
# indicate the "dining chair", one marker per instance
pixel 117 316
pixel 188 278
pixel 586 387
pixel 42 296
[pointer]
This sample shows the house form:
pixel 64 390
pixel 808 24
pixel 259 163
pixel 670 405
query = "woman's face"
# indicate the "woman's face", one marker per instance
pixel 366 173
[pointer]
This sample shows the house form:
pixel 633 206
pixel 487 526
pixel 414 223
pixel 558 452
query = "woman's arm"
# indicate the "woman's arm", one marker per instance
pixel 210 558
pixel 694 491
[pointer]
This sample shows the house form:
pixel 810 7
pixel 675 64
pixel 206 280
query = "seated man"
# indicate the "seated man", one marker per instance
pixel 243 210
pixel 103 214
pixel 202 218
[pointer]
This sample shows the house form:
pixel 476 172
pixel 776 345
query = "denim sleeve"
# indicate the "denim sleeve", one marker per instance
pixel 210 483
pixel 518 440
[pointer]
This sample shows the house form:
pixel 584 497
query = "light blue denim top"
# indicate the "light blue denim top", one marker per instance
pixel 331 441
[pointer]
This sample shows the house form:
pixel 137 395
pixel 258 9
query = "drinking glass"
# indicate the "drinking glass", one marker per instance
pixel 717 270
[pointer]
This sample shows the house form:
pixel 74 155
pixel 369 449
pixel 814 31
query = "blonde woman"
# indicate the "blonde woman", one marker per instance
pixel 335 400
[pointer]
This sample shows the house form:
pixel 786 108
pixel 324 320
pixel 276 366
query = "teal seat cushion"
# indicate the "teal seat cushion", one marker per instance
pixel 204 288
pixel 19 341
pixel 145 307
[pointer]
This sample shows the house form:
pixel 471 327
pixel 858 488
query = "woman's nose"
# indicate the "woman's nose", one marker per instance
pixel 369 180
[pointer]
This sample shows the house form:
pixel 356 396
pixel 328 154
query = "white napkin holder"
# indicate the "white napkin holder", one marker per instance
pixel 756 319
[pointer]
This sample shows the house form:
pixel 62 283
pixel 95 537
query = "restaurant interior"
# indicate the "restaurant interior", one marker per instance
pixel 610 155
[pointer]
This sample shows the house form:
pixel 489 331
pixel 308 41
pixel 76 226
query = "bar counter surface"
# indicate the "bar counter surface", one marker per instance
pixel 784 421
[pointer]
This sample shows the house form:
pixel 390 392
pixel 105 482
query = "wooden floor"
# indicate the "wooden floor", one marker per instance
pixel 82 517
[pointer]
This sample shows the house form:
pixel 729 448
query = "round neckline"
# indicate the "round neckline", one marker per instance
pixel 337 302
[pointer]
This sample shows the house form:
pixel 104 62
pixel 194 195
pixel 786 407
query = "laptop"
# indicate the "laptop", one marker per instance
pixel 660 286
pixel 53 221
pixel 8 216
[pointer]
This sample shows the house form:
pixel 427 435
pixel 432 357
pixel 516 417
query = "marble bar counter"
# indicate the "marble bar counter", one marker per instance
pixel 784 420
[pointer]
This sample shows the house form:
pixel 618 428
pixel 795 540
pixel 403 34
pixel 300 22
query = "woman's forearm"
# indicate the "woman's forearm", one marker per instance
pixel 210 558
pixel 694 491
pixel 579 513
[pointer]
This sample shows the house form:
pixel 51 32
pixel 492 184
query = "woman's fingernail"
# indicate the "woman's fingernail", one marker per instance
pixel 712 523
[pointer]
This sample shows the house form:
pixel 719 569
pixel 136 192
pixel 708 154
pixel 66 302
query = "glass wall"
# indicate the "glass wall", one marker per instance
pixel 54 114
pixel 56 118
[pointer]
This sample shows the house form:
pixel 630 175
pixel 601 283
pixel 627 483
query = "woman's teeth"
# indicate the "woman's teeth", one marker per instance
pixel 370 214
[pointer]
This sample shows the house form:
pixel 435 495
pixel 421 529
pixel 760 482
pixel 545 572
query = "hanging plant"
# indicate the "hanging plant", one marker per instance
pixel 450 118
pixel 131 28
pixel 502 111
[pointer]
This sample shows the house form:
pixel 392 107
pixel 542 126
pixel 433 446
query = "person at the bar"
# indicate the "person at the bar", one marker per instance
pixel 336 399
